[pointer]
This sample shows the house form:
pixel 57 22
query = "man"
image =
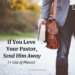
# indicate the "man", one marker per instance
pixel 65 19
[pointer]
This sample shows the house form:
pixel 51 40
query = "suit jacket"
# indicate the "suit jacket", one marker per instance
pixel 62 10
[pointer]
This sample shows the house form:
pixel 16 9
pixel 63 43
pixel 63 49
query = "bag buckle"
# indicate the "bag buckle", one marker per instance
pixel 73 7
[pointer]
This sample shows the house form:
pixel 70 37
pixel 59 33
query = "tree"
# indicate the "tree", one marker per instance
pixel 27 5
pixel 3 6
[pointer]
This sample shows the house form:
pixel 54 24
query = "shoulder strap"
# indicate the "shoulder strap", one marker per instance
pixel 54 9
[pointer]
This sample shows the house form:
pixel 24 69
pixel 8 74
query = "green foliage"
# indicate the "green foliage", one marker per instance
pixel 20 35
pixel 18 21
pixel 26 5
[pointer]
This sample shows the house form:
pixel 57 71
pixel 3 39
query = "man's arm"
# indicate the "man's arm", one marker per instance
pixel 45 10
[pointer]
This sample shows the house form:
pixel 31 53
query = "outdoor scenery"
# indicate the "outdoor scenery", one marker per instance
pixel 25 55
pixel 19 18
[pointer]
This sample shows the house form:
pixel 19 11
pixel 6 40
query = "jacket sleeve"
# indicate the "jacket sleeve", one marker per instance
pixel 45 9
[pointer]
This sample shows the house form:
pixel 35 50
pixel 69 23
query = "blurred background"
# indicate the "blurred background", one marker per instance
pixel 19 18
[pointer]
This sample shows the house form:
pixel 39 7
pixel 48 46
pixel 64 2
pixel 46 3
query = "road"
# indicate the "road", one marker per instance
pixel 43 63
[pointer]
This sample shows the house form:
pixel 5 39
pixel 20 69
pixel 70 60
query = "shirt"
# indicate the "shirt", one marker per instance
pixel 72 2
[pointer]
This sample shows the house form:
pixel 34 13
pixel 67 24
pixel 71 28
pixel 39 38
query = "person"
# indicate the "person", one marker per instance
pixel 65 19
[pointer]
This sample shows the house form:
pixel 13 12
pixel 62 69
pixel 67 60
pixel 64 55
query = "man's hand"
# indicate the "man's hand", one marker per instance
pixel 41 21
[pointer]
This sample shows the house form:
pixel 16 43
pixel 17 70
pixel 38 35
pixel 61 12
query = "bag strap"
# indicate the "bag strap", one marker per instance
pixel 54 9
